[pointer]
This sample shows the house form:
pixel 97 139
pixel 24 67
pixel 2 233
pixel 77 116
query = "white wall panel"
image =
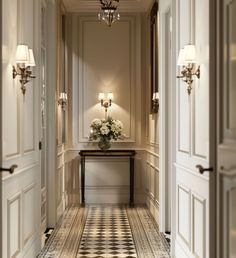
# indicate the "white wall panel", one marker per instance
pixel 107 172
pixel 184 213
pixel 199 226
pixel 184 120
pixel 29 119
pixel 108 67
pixel 29 209
pixel 183 98
pixel 153 136
pixel 201 97
pixel 14 226
pixel 11 108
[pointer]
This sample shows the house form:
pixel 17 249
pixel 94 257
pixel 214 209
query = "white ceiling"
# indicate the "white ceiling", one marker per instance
pixel 94 5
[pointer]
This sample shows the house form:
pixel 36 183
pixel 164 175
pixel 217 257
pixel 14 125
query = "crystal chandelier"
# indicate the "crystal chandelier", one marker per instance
pixel 109 14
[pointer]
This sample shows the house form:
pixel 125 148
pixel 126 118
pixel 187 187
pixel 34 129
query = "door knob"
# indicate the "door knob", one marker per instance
pixel 202 169
pixel 10 170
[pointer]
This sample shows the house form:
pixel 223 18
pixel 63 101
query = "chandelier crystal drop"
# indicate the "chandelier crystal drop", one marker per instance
pixel 109 14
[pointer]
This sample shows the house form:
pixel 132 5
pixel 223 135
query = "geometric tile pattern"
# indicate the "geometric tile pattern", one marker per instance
pixel 107 234
pixel 65 239
pixel 106 231
pixel 149 242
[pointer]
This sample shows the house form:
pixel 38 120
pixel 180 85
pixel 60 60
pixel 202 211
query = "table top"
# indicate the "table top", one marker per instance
pixel 101 153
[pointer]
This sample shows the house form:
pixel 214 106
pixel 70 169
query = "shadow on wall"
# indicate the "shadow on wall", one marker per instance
pixel 72 181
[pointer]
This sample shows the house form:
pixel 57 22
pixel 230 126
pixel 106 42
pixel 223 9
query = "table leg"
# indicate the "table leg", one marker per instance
pixel 131 201
pixel 82 179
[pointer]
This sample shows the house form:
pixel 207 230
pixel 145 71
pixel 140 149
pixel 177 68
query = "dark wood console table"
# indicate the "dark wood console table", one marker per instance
pixel 110 153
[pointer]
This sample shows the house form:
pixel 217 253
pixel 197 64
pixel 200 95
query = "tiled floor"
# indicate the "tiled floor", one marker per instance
pixel 106 231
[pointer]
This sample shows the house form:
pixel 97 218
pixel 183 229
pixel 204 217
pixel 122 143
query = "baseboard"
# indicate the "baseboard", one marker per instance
pixel 33 250
pixel 111 195
pixel 60 210
pixel 153 208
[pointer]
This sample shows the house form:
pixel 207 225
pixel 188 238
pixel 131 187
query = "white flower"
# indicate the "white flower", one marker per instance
pixel 104 130
pixel 96 122
pixel 117 126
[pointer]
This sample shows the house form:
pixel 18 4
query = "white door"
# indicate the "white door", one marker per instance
pixel 193 138
pixel 20 190
pixel 226 161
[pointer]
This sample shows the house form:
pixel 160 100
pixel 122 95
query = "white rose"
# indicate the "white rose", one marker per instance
pixel 104 130
pixel 97 122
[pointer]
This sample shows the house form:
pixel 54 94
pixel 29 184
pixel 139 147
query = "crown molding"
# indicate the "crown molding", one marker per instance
pixel 78 6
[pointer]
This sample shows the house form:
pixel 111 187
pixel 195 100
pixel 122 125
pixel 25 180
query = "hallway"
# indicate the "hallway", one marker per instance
pixel 117 102
pixel 110 231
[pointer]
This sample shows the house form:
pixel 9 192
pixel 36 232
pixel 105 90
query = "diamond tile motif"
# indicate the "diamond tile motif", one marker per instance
pixel 107 233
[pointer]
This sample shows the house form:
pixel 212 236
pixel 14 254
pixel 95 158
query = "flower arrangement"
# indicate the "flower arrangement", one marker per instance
pixel 105 130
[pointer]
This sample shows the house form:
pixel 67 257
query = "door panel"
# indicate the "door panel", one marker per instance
pixel 21 190
pixel 192 188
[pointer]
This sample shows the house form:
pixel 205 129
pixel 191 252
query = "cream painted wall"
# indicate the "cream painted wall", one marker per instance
pixel 151 138
pixel 102 59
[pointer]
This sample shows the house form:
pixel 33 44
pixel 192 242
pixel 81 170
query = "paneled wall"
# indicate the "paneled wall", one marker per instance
pixel 21 191
pixel 103 59
pixel 151 137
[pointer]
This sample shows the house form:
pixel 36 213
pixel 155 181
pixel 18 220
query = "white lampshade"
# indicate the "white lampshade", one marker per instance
pixel 155 96
pixel 101 96
pixel 22 54
pixel 63 95
pixel 110 96
pixel 181 58
pixel 190 54
pixel 31 58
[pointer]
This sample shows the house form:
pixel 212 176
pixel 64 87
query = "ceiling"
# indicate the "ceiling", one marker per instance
pixel 94 5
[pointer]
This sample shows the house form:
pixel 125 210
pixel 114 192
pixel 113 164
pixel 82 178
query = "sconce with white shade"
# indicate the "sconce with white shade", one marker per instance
pixel 24 62
pixel 63 100
pixel 187 60
pixel 106 101
pixel 155 101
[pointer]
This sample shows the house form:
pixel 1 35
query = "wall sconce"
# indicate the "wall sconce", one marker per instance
pixel 24 60
pixel 106 103
pixel 187 60
pixel 63 100
pixel 155 101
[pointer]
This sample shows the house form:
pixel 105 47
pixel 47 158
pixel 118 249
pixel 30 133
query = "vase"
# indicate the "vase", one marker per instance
pixel 104 144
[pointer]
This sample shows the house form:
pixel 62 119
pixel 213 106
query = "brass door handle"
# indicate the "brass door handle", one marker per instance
pixel 202 169
pixel 10 170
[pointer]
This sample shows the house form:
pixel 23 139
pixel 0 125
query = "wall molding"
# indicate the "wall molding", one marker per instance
pixel 15 197
pixel 134 26
pixel 24 192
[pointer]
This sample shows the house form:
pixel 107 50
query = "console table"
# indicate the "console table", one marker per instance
pixel 84 154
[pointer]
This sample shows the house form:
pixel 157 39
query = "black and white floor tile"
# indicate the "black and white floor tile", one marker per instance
pixel 106 231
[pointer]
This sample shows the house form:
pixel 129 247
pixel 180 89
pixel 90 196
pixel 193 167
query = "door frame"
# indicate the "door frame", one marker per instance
pixel 167 99
pixel 213 129
pixel 52 11
pixel 1 130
